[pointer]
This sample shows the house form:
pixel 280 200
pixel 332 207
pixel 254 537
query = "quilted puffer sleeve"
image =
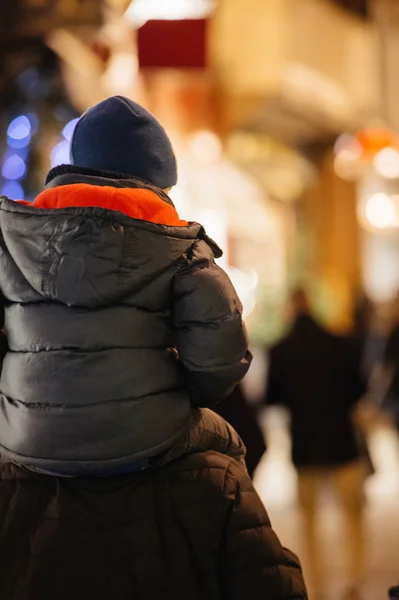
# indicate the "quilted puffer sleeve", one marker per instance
pixel 211 338
pixel 254 563
pixel 3 337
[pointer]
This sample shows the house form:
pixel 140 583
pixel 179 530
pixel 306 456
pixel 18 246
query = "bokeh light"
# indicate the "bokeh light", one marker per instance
pixel 347 163
pixel 348 155
pixel 19 144
pixel 22 152
pixel 14 167
pixel 386 163
pixel 69 128
pixel 13 190
pixel 206 147
pixel 20 128
pixel 346 141
pixel 381 212
pixel 141 11
pixel 60 154
pixel 34 122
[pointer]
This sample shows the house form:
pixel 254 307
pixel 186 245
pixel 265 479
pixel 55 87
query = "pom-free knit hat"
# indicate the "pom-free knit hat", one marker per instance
pixel 120 136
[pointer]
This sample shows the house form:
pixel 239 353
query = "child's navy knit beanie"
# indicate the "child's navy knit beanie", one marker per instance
pixel 120 136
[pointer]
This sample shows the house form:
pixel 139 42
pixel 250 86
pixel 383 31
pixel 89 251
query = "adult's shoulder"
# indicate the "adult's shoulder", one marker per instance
pixel 209 465
pixel 201 460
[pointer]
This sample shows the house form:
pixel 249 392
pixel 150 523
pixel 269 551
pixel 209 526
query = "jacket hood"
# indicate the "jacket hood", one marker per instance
pixel 91 242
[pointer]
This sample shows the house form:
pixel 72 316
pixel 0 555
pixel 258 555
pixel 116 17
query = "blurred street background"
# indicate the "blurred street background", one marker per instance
pixel 284 115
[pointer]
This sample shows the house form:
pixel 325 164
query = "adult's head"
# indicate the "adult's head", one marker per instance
pixel 120 136
pixel 298 304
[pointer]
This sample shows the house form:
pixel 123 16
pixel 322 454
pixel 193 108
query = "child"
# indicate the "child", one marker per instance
pixel 119 322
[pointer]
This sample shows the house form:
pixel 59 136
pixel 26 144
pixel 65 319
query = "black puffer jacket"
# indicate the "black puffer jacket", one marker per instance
pixel 195 530
pixel 94 302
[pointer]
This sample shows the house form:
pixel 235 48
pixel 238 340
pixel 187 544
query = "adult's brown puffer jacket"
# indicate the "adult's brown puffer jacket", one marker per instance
pixel 193 530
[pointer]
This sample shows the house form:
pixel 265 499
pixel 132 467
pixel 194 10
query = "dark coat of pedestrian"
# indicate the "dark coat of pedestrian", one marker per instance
pixel 394 593
pixel 390 397
pixel 315 375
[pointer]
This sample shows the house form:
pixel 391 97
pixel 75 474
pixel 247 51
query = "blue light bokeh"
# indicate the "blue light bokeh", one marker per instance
pixel 13 190
pixel 19 144
pixel 14 167
pixel 20 128
pixel 69 128
pixel 60 154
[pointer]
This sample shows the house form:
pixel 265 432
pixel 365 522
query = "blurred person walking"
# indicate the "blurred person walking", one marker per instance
pixel 390 375
pixel 368 344
pixel 314 375
pixel 394 593
pixel 116 481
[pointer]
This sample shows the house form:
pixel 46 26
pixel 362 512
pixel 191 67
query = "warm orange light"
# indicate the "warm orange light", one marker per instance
pixel 376 146
pixel 373 140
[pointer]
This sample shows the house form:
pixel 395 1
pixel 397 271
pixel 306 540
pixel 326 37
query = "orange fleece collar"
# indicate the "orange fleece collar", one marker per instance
pixel 136 203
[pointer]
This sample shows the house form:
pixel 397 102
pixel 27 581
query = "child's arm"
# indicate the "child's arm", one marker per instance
pixel 211 337
pixel 3 337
